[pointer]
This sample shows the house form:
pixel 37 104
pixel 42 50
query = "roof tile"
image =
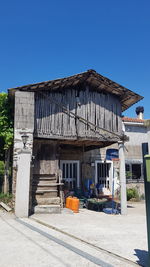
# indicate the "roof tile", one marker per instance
pixel 127 119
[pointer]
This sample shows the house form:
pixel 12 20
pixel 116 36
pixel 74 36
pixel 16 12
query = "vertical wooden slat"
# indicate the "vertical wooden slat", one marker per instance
pixel 98 108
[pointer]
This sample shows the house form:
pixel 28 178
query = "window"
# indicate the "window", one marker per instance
pixel 70 173
pixel 127 167
pixel 133 171
pixel 136 171
pixel 128 171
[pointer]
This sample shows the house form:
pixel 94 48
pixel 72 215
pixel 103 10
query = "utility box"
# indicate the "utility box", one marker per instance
pixel 147 159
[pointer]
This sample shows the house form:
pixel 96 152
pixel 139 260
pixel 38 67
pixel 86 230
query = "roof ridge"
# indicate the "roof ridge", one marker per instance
pixel 90 71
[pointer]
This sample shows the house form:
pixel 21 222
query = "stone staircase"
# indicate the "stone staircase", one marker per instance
pixel 46 194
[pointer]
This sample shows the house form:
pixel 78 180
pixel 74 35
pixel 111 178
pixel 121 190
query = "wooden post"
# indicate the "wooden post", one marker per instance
pixel 122 179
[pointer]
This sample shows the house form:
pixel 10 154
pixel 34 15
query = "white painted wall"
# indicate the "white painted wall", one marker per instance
pixel 137 135
pixel 23 184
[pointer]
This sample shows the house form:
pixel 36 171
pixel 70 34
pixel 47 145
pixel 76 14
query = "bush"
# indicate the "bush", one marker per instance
pixel 6 198
pixel 2 168
pixel 128 175
pixel 132 193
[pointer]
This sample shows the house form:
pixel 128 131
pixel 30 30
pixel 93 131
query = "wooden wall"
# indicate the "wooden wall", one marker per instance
pixel 51 121
pixel 46 161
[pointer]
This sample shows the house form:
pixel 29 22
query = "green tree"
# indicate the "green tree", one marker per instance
pixel 6 132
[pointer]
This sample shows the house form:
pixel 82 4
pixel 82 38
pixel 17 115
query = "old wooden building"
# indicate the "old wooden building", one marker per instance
pixel 62 121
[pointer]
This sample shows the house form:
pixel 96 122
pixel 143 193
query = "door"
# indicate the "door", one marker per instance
pixel 103 174
pixel 70 173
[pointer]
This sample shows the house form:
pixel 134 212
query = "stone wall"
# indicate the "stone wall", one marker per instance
pixel 139 186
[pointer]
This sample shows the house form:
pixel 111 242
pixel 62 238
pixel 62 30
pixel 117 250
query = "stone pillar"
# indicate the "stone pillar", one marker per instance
pixel 122 179
pixel 23 124
pixel 23 183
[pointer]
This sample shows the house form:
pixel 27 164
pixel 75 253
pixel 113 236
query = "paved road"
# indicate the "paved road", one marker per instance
pixel 25 243
pixel 125 236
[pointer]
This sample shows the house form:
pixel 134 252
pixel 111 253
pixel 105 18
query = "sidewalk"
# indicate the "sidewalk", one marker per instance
pixel 125 236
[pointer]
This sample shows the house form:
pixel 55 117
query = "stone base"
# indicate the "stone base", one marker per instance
pixel 47 209
pixel 48 201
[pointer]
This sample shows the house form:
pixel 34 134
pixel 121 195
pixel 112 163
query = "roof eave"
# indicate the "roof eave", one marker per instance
pixel 96 80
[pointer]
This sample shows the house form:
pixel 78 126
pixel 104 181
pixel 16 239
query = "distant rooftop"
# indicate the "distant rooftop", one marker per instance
pixel 127 119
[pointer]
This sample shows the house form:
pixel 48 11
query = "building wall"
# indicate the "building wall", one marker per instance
pixel 137 135
pixel 139 187
pixel 57 114
pixel 103 110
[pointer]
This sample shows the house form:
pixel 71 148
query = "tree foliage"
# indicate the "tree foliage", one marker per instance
pixel 2 170
pixel 6 124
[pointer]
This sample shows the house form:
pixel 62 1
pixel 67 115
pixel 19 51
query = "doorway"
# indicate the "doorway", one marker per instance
pixel 104 174
pixel 70 173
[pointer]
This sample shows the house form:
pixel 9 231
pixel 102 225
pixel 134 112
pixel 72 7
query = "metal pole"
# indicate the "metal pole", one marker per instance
pixel 148 137
pixel 147 200
pixel 113 190
pixel 122 178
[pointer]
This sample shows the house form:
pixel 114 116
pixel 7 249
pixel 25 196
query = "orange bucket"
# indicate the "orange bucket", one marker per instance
pixel 75 205
pixel 68 202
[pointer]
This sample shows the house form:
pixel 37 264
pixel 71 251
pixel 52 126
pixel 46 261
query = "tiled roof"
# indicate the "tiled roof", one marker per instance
pixel 127 119
pixel 96 82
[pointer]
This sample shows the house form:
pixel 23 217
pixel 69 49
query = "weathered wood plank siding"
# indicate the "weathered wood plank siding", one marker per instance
pixel 103 110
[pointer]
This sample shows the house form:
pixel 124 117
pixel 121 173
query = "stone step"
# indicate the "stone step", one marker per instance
pixel 42 191
pixel 48 201
pixel 44 176
pixel 36 188
pixel 45 183
pixel 49 185
pixel 47 209
pixel 45 179
pixel 46 194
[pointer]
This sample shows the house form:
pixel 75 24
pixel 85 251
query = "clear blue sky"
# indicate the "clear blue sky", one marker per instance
pixel 44 40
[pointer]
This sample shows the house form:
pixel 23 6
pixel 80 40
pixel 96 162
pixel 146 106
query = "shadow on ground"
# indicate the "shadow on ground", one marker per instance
pixel 142 256
pixel 129 206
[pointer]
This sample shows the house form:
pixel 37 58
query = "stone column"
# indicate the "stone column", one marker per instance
pixel 122 179
pixel 23 124
pixel 23 183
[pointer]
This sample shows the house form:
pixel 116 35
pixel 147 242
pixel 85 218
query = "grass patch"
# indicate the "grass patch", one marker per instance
pixel 6 198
